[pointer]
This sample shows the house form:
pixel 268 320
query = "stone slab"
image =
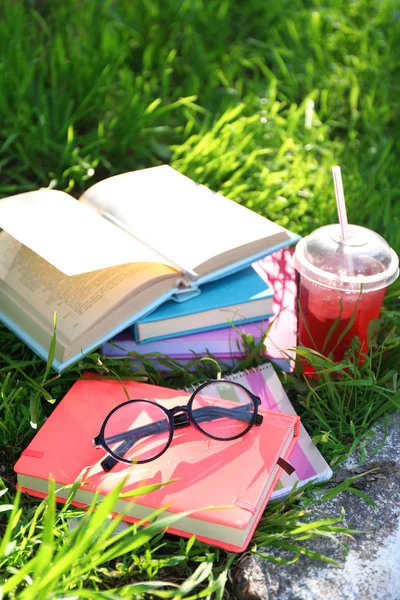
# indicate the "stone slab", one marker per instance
pixel 371 567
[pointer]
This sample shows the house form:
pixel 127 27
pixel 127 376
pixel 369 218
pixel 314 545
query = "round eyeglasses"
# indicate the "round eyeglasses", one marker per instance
pixel 139 431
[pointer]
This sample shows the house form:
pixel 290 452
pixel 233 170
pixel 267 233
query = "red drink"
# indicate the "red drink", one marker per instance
pixel 321 307
pixel 342 286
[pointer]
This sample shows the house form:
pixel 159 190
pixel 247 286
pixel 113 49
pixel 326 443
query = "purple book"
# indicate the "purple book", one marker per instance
pixel 226 343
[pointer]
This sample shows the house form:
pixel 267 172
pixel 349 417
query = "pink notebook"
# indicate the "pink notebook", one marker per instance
pixel 307 460
pixel 226 343
pixel 238 475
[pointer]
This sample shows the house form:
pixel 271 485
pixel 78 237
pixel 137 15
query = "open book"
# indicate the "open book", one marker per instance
pixel 128 244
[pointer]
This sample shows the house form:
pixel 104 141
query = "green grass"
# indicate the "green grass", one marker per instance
pixel 218 89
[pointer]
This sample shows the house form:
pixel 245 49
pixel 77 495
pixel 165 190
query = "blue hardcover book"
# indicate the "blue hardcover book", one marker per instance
pixel 127 245
pixel 238 298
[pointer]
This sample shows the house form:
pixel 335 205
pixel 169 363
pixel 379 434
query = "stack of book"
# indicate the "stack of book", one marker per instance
pixel 256 304
pixel 149 250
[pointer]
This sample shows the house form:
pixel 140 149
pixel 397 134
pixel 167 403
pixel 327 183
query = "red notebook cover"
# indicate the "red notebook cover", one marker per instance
pixel 239 474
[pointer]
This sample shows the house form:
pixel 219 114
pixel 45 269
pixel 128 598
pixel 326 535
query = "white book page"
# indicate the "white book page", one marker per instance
pixel 184 221
pixel 69 235
pixel 79 300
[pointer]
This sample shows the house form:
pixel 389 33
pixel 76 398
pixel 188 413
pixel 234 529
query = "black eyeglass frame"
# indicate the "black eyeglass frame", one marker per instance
pixel 176 421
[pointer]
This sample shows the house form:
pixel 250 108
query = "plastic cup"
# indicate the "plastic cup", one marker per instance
pixel 342 286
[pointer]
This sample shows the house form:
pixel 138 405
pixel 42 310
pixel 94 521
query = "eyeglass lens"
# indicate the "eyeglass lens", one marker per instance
pixel 138 431
pixel 223 410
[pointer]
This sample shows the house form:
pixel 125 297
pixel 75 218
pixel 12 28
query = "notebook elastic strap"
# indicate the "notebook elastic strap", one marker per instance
pixel 287 467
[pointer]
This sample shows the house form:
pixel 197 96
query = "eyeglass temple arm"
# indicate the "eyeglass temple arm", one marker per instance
pixel 207 413
pixel 181 420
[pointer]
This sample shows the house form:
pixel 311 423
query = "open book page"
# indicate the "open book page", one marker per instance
pixel 186 222
pixel 80 300
pixel 68 234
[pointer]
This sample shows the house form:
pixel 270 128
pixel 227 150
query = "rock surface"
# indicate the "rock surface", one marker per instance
pixel 371 567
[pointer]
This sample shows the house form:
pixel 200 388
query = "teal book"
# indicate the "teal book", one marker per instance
pixel 235 299
pixel 127 245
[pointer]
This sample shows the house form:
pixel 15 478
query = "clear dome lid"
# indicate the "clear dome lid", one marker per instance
pixel 365 259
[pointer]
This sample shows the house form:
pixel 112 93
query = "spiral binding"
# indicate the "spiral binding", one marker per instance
pixel 235 376
pixel 190 389
pixel 238 376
